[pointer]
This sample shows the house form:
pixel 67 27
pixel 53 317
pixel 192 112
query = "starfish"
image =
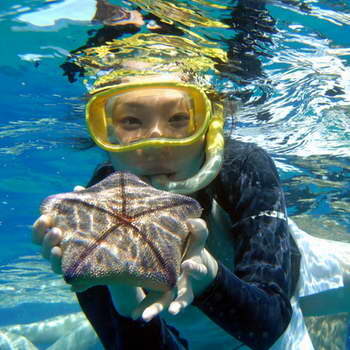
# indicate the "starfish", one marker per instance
pixel 122 230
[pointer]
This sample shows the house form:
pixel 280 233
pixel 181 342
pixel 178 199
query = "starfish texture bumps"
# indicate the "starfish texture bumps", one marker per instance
pixel 122 230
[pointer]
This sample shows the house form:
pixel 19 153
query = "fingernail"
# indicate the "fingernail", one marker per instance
pixel 147 315
pixel 174 309
pixel 146 318
pixel 56 231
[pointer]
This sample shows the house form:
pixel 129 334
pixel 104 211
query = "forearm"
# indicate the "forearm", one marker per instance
pixel 256 315
pixel 252 303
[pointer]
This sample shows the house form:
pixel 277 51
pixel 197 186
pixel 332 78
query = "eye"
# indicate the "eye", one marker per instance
pixel 179 120
pixel 130 122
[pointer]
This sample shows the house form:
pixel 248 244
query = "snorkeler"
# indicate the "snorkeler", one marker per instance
pixel 170 133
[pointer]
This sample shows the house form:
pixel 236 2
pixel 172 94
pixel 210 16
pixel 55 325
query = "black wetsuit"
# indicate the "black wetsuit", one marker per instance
pixel 251 303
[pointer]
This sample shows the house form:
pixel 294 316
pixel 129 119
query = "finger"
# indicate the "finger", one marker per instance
pixel 40 228
pixel 198 228
pixel 194 269
pixel 51 239
pixel 56 260
pixel 184 296
pixel 78 188
pixel 156 308
pixel 152 305
pixel 152 311
pixel 179 304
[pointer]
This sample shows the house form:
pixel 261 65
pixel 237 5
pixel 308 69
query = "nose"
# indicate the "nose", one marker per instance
pixel 156 130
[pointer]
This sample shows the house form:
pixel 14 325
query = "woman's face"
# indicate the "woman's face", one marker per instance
pixel 149 113
pixel 152 113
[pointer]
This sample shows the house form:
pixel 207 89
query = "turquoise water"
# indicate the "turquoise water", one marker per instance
pixel 299 111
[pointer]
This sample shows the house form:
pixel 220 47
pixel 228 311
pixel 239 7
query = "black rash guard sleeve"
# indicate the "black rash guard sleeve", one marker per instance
pixel 252 302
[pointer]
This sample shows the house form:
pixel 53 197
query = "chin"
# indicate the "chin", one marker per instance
pixel 154 168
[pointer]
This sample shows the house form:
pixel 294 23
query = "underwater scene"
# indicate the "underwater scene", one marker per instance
pixel 282 68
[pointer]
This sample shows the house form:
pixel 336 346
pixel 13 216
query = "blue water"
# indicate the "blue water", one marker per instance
pixel 306 90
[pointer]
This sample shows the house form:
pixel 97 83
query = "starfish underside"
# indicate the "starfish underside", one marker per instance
pixel 122 230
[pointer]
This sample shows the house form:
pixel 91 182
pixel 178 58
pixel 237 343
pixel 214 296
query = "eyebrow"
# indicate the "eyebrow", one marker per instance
pixel 136 104
pixel 131 104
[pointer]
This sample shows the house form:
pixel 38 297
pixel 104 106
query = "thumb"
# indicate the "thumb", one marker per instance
pixel 198 237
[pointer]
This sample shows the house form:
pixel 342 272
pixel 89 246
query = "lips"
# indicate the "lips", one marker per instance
pixel 157 170
pixel 156 162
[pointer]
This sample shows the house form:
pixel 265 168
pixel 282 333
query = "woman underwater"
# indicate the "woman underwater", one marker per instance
pixel 244 268
pixel 247 270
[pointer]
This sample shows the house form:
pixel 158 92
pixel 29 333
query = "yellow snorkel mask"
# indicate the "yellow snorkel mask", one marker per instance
pixel 100 121
pixel 205 119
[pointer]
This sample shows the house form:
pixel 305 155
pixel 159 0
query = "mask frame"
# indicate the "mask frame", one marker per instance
pixel 98 121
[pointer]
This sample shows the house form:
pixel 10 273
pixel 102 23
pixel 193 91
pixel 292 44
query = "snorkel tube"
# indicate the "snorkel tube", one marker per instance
pixel 214 154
